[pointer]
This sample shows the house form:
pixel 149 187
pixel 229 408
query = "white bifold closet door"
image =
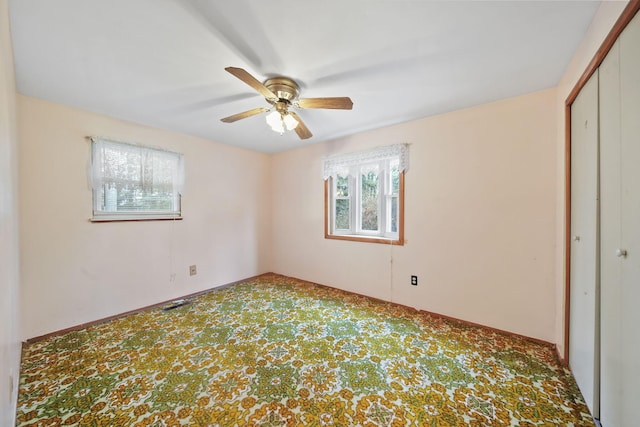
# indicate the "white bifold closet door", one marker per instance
pixel 584 294
pixel 611 234
pixel 620 230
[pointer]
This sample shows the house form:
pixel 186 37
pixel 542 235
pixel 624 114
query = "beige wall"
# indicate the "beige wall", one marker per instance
pixel 480 217
pixel 75 271
pixel 603 21
pixel 9 262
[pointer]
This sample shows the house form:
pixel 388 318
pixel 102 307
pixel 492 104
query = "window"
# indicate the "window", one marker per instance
pixel 131 182
pixel 364 195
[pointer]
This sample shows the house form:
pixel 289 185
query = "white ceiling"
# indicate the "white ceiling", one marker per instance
pixel 161 62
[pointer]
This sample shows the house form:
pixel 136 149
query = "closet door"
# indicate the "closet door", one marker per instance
pixel 620 229
pixel 630 221
pixel 611 374
pixel 584 298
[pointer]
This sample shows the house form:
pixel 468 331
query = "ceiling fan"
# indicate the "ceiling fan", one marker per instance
pixel 282 93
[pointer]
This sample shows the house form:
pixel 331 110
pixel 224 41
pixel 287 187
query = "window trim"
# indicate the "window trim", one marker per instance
pixel 328 214
pixel 98 216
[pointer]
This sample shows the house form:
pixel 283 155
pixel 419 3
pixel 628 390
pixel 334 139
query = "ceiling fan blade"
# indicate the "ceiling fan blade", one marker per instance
pixel 339 103
pixel 244 115
pixel 252 81
pixel 302 130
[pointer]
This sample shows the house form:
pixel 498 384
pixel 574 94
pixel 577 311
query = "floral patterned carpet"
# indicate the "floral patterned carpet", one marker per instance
pixel 276 351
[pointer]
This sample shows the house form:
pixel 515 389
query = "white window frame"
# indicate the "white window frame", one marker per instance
pixel 355 202
pixel 351 167
pixel 100 184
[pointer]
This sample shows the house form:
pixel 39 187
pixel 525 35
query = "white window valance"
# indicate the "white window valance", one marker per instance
pixel 341 164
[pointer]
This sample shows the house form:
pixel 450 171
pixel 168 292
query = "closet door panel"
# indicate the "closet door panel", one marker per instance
pixel 611 375
pixel 630 217
pixel 584 299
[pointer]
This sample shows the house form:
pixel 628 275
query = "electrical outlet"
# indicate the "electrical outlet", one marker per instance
pixel 192 270
pixel 172 277
pixel 414 280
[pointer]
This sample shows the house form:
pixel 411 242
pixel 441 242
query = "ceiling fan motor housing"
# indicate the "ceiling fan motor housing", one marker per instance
pixel 284 88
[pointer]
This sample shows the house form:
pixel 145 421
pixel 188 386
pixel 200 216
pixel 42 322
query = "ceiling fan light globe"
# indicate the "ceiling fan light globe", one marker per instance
pixel 278 128
pixel 274 120
pixel 290 122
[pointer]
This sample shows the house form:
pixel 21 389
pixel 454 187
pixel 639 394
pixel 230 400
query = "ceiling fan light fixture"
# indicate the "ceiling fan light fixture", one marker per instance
pixel 279 122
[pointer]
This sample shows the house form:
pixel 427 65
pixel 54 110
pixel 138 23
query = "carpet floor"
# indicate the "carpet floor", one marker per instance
pixel 276 351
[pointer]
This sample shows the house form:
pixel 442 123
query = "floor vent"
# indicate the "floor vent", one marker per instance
pixel 175 304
